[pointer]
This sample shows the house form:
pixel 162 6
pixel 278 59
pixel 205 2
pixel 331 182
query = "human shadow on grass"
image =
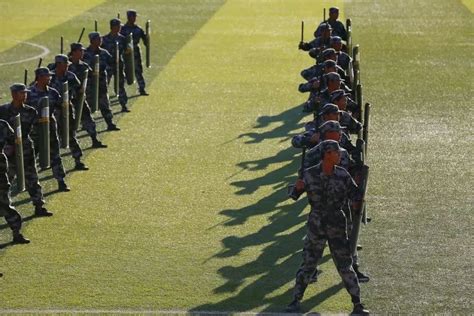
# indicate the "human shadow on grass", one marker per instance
pixel 276 265
pixel 289 120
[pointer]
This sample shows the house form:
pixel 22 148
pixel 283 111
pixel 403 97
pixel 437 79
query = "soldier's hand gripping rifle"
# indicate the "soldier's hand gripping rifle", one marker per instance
pixel 294 190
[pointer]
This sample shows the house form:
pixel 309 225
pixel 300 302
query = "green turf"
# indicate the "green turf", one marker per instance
pixel 186 210
pixel 33 17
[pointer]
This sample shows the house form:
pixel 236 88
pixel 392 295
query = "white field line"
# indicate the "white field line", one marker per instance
pixel 45 51
pixel 145 312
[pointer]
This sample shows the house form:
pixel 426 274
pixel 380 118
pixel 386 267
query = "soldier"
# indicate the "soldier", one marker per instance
pixel 328 188
pixel 320 42
pixel 332 130
pixel 60 76
pixel 38 90
pixel 334 82
pixel 137 34
pixel 105 62
pixel 311 136
pixel 317 69
pixel 78 67
pixel 343 59
pixel 329 130
pixel 340 98
pixel 108 43
pixel 29 118
pixel 337 26
pixel 7 139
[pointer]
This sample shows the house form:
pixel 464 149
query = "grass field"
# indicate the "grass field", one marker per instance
pixel 186 209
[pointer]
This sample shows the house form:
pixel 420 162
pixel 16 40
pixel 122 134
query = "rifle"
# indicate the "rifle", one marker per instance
pixel 82 33
pixel 25 79
pixel 302 31
pixel 358 214
pixel 62 45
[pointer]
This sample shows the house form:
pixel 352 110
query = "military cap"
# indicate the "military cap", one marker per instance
pixel 325 26
pixel 76 46
pixel 115 22
pixel 61 58
pixel 337 94
pixel 333 9
pixel 333 76
pixel 330 126
pixel 132 12
pixel 329 63
pixel 329 108
pixel 18 87
pixel 327 145
pixel 94 35
pixel 335 40
pixel 42 71
pixel 328 52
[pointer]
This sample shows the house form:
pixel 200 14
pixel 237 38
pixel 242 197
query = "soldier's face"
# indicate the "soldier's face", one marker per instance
pixel 334 84
pixel 115 29
pixel 132 18
pixel 331 117
pixel 332 136
pixel 332 156
pixel 44 79
pixel 337 46
pixel 77 54
pixel 61 67
pixel 330 69
pixel 19 96
pixel 96 41
pixel 342 103
pixel 334 15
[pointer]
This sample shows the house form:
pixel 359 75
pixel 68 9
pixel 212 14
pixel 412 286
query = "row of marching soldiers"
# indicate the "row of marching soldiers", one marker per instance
pixel 46 116
pixel 333 171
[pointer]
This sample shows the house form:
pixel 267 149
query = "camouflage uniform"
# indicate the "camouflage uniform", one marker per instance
pixel 351 124
pixel 105 62
pixel 326 222
pixel 137 34
pixel 343 60
pixel 314 157
pixel 74 86
pixel 108 43
pixel 7 137
pixel 29 118
pixel 55 103
pixel 87 120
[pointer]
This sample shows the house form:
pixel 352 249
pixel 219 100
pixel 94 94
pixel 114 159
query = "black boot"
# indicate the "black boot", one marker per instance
pixel 112 127
pixel 62 186
pixel 18 238
pixel 359 309
pixel 363 278
pixel 97 143
pixel 125 109
pixel 42 212
pixel 143 92
pixel 293 307
pixel 80 166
